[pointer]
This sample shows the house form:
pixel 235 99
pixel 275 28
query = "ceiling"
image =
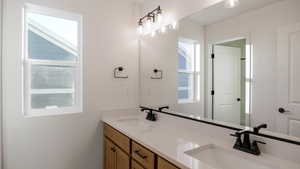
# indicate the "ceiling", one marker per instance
pixel 218 12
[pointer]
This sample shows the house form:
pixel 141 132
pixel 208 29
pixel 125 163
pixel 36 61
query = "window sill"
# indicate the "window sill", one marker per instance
pixel 187 102
pixel 56 112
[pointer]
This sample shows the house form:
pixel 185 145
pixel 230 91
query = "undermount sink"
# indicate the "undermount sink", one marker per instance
pixel 134 122
pixel 221 158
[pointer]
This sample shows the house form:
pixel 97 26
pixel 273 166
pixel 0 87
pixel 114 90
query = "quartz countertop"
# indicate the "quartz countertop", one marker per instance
pixel 171 137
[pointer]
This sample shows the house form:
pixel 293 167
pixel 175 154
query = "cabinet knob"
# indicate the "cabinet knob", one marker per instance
pixel 113 149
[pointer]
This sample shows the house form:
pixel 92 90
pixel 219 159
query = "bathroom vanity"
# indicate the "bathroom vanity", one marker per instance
pixel 133 142
pixel 122 152
pixel 219 72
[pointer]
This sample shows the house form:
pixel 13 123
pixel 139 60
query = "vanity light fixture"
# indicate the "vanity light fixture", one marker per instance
pixel 231 3
pixel 152 23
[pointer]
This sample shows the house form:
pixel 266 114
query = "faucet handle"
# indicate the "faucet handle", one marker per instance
pixel 163 107
pixel 235 135
pixel 261 142
pixel 257 128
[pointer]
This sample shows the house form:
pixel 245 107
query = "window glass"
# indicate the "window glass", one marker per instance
pixel 39 47
pixel 51 101
pixel 66 29
pixel 183 94
pixel 186 54
pixel 188 71
pixel 52 77
pixel 52 62
pixel 184 79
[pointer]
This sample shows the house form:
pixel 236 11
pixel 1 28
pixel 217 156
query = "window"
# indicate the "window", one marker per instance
pixel 52 62
pixel 188 78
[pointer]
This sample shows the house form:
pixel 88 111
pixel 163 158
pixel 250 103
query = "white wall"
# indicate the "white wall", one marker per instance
pixel 1 123
pixel 261 25
pixel 158 53
pixel 71 141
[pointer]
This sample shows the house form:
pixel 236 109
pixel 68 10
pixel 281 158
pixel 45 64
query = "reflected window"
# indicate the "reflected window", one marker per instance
pixel 52 62
pixel 188 76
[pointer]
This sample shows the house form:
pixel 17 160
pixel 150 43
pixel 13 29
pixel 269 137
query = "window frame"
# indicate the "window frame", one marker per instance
pixel 194 88
pixel 77 65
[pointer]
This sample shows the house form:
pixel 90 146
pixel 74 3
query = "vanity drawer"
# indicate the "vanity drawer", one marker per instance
pixel 163 164
pixel 142 155
pixel 135 165
pixel 120 139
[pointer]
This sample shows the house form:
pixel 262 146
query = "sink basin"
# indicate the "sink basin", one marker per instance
pixel 131 121
pixel 134 123
pixel 221 158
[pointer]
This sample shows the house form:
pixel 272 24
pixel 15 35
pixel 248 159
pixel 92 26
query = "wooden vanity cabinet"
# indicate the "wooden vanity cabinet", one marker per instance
pixel 135 165
pixel 142 155
pixel 163 164
pixel 120 152
pixel 118 138
pixel 115 158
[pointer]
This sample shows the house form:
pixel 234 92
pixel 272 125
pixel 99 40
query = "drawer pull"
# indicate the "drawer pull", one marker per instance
pixel 137 152
pixel 113 149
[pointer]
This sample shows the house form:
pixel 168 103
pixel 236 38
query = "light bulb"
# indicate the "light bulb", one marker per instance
pixel 159 15
pixel 140 29
pixel 149 23
pixel 163 29
pixel 159 18
pixel 153 33
pixel 174 25
pixel 231 3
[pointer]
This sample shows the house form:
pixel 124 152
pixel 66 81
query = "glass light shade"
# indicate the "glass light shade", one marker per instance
pixel 153 33
pixel 140 29
pixel 163 29
pixel 149 24
pixel 159 18
pixel 174 25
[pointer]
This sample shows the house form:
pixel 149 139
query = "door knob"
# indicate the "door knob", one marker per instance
pixel 238 99
pixel 282 110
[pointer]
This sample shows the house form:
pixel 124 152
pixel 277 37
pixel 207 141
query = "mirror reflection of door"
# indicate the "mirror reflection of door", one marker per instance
pixel 288 118
pixel 229 82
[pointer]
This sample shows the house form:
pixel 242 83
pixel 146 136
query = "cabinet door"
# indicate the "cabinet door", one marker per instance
pixel 135 165
pixel 122 159
pixel 163 164
pixel 110 160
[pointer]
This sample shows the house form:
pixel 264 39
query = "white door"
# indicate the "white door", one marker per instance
pixel 288 121
pixel 227 84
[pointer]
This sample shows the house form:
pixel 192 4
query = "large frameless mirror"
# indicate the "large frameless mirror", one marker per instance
pixel 238 66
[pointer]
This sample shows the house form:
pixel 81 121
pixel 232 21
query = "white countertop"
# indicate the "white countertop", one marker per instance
pixel 171 137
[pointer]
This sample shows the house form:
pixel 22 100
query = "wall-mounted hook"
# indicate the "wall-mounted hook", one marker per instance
pixel 158 74
pixel 118 71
